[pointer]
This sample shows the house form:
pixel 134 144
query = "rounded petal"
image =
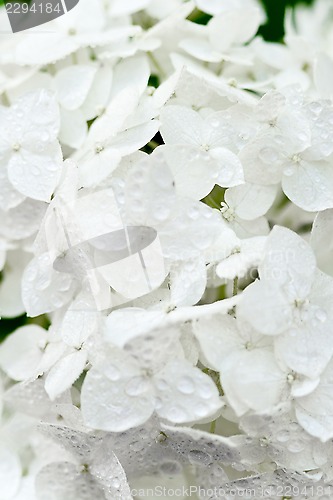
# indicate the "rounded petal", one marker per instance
pixel 306 348
pixel 233 27
pixel 230 170
pixel 43 288
pixel 115 396
pixel 194 172
pixel 289 261
pixel 59 480
pixel 218 338
pixel 74 128
pixel 315 411
pixel 252 380
pixel 36 175
pixel 73 84
pixel 323 249
pixel 65 372
pixel 22 351
pixel 264 306
pixel 181 125
pixel 184 393
pixel 310 186
pixel 250 200
pixel 188 282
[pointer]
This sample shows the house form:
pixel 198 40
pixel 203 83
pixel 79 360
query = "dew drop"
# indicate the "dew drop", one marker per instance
pixel 199 457
pixel 321 315
pixel 283 436
pixel 186 385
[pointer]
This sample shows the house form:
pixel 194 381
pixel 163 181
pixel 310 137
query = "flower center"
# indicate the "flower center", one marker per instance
pixel 16 147
pixel 296 158
pixel 291 377
pixel 99 148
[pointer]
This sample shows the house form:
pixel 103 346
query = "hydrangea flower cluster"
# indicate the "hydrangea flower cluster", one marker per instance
pixel 166 209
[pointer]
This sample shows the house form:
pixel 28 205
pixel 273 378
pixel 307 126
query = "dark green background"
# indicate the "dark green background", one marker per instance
pixel 273 30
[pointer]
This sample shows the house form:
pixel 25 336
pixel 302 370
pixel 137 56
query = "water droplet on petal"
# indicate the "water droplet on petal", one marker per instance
pixel 186 385
pixel 198 457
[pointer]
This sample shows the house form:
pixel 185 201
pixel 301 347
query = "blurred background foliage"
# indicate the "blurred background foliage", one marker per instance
pixel 271 31
pixel 275 9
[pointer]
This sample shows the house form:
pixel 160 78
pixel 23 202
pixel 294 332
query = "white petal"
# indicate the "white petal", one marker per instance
pixel 218 338
pixel 79 322
pixel 10 473
pixel 115 396
pixel 315 411
pixel 245 256
pixel 43 288
pixel 233 27
pixel 310 186
pixel 73 84
pixel 192 230
pixel 9 196
pixel 150 191
pixel 262 161
pixel 197 447
pixel 188 282
pixel 63 375
pixel 184 393
pixel 124 324
pixel 323 75
pixel 306 348
pixel 264 306
pixel 118 8
pixel 181 125
pixel 11 304
pixel 200 49
pixel 98 167
pixel 74 128
pixel 323 249
pixel 289 261
pixel 23 220
pixel 36 176
pixel 99 93
pixel 60 480
pixel 110 474
pixel 195 175
pixel 252 380
pixel 230 167
pixel 134 138
pixel 22 351
pixel 41 116
pixel 133 71
pixel 250 200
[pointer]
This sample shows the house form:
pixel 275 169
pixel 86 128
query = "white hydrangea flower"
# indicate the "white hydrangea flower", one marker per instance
pixel 134 274
pixel 292 148
pixel 85 26
pixel 143 379
pixel 291 299
pixel 195 149
pixel 225 35
pixel 29 148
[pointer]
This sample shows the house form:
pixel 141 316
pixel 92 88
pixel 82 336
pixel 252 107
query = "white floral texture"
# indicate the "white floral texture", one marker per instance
pixel 166 252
